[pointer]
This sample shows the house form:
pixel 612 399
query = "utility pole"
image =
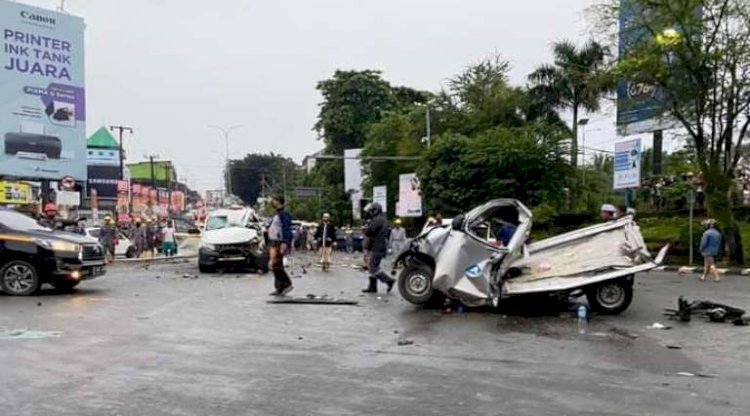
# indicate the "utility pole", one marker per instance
pixel 429 127
pixel 153 169
pixel 121 129
pixel 226 132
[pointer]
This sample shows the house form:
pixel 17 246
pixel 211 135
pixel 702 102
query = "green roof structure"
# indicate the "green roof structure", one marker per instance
pixel 102 139
pixel 163 170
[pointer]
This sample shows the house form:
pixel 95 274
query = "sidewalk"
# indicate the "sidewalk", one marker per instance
pixel 156 259
pixel 737 271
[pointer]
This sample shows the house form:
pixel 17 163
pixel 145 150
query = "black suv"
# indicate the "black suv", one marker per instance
pixel 31 255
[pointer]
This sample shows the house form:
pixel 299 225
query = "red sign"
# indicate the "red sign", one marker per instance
pixel 123 186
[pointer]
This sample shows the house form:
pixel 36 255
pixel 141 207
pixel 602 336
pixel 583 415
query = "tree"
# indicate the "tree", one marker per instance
pixel 460 172
pixel 263 174
pixel 697 53
pixel 574 81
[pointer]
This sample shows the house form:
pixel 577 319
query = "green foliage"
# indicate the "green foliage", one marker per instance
pixel 459 172
pixel 263 174
pixel 576 81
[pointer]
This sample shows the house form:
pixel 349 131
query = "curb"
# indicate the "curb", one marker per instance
pixel 155 259
pixel 696 270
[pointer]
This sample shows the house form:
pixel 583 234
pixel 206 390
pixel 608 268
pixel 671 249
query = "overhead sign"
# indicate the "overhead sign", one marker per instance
pixel 69 198
pixel 15 193
pixel 100 157
pixel 380 195
pixel 307 193
pixel 409 196
pixel 43 105
pixel 627 164
pixel 105 180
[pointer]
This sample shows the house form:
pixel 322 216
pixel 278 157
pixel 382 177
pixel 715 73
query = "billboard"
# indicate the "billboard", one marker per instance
pixel 380 195
pixel 627 164
pixel 353 178
pixel 409 196
pixel 43 106
pixel 15 193
pixel 104 179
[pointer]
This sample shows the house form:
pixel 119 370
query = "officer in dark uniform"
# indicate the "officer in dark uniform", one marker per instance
pixel 376 247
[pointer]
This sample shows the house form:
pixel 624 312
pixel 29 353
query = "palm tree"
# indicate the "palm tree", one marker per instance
pixel 574 81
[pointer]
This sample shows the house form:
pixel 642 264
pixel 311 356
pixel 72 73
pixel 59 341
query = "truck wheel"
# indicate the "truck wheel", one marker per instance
pixel 19 278
pixel 415 284
pixel 65 285
pixel 611 298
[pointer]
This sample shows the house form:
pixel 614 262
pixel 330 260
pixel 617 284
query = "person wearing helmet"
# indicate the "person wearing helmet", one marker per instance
pixel 325 236
pixel 50 219
pixel 108 237
pixel 397 240
pixel 376 247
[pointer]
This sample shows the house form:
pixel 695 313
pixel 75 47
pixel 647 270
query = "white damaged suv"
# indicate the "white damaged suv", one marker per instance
pixel 233 238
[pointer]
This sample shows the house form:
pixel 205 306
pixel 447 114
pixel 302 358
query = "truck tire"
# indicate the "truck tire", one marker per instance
pixel 19 278
pixel 611 298
pixel 415 285
pixel 65 285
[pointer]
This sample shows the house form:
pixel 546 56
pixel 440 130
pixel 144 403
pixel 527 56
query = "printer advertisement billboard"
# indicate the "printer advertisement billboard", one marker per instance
pixel 43 106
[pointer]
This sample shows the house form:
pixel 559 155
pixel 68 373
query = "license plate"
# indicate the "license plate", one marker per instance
pixel 232 259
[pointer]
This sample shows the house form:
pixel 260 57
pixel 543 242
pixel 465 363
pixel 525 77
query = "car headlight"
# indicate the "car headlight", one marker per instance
pixel 59 246
pixel 208 246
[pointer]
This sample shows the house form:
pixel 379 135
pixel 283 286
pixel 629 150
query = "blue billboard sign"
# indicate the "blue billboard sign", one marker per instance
pixel 627 164
pixel 43 105
pixel 640 102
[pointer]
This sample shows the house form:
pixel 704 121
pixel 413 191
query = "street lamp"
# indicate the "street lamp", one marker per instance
pixel 226 132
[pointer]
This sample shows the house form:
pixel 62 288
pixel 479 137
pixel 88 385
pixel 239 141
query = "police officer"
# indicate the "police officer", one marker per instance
pixel 376 247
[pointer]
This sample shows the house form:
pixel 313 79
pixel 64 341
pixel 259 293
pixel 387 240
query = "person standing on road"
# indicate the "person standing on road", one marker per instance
pixel 141 240
pixel 280 237
pixel 108 238
pixel 376 247
pixel 398 238
pixel 325 236
pixel 710 248
pixel 169 244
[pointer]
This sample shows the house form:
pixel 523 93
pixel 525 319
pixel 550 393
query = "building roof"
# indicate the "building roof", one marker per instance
pixel 102 139
pixel 163 170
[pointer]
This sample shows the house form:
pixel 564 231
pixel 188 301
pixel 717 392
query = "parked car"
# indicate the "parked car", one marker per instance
pixel 123 242
pixel 233 238
pixel 31 255
pixel 462 262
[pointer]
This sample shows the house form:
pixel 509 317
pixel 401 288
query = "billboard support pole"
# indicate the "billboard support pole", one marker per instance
pixel 658 150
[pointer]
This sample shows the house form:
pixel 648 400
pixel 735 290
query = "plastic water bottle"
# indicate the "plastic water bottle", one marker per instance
pixel 583 321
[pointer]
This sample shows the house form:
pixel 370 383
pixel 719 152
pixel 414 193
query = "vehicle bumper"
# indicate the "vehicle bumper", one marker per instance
pixel 77 271
pixel 212 258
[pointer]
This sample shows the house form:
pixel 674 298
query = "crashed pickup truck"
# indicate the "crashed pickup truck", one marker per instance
pixel 466 262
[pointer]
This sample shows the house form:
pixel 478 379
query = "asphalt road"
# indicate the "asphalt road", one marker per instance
pixel 152 342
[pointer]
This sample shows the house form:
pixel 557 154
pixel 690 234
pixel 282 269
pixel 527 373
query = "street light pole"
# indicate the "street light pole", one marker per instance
pixel 226 132
pixel 121 129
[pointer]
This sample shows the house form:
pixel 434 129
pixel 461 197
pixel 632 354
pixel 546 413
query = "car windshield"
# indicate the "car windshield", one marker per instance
pixel 17 221
pixel 217 222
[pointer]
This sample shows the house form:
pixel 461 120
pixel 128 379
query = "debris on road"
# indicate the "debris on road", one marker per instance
pixel 688 374
pixel 312 299
pixel 28 334
pixel 673 347
pixel 402 342
pixel 715 312
pixel 657 325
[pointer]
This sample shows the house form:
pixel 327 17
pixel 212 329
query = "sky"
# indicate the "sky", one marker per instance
pixel 171 68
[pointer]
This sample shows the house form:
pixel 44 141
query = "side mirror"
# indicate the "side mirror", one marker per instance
pixel 458 223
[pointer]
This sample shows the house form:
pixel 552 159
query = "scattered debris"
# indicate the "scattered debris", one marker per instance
pixel 158 277
pixel 674 347
pixel 143 318
pixel 657 325
pixel 715 312
pixel 39 304
pixel 624 333
pixel 687 374
pixel 395 331
pixel 299 338
pixel 27 334
pixel 404 342
pixel 314 300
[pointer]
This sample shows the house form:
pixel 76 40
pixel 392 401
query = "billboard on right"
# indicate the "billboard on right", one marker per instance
pixel 409 196
pixel 627 164
pixel 640 102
